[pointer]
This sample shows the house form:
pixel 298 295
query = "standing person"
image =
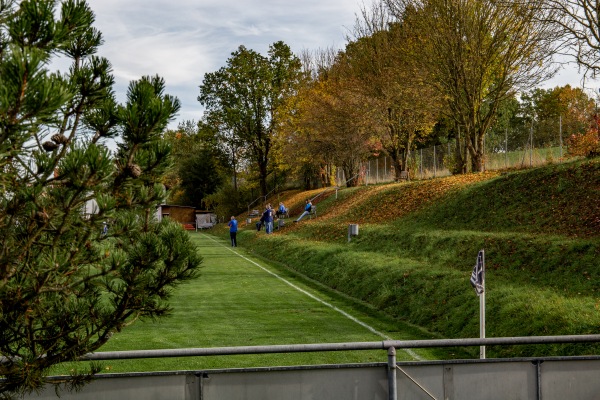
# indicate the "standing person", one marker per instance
pixel 268 214
pixel 307 209
pixel 233 227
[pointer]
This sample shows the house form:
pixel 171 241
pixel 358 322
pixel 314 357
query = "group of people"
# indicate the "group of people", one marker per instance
pixel 266 219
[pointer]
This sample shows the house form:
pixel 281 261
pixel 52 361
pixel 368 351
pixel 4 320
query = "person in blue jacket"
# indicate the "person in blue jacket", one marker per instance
pixel 268 215
pixel 281 211
pixel 307 209
pixel 233 227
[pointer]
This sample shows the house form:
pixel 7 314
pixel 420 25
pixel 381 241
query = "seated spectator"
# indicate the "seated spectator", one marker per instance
pixel 307 210
pixel 281 211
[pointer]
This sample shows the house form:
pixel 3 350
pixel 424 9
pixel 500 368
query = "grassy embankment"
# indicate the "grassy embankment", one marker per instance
pixel 418 242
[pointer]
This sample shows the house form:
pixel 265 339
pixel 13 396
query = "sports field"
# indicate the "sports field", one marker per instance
pixel 241 300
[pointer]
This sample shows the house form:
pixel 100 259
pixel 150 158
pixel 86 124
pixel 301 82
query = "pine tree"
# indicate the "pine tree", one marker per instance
pixel 82 255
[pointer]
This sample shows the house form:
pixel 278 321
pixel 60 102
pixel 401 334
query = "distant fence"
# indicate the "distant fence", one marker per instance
pixel 437 161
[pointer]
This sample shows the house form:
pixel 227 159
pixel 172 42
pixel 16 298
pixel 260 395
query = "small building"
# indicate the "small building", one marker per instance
pixel 187 216
pixel 182 214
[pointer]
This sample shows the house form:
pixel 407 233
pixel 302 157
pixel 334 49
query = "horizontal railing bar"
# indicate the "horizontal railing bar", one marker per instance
pixel 351 346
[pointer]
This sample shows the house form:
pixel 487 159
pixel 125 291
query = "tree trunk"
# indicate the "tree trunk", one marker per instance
pixel 477 154
pixel 351 171
pixel 262 170
pixel 397 167
pixel 405 158
pixel 460 163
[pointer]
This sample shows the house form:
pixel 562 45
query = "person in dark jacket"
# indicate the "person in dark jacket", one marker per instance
pixel 233 227
pixel 268 216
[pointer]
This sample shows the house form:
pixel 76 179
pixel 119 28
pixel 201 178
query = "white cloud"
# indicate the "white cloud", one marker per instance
pixel 183 40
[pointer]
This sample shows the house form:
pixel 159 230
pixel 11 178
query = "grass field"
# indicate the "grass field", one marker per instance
pixel 245 301
pixel 418 243
pixel 409 267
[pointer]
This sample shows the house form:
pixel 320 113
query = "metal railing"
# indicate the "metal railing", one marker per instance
pixel 263 198
pixel 390 345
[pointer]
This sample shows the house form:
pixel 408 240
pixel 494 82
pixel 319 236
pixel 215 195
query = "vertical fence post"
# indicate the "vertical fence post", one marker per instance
pixel 434 162
pixel 421 163
pixel 506 148
pixel 560 136
pixel 385 168
pixel 531 145
pixel 392 383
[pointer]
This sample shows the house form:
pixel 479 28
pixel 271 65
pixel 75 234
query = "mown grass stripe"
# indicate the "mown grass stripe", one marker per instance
pixel 323 302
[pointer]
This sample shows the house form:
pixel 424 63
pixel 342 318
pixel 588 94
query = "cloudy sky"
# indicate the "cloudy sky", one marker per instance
pixel 181 40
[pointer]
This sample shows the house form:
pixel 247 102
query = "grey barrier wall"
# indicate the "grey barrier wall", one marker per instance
pixel 535 378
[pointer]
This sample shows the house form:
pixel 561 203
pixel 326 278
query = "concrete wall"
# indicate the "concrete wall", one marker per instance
pixel 547 379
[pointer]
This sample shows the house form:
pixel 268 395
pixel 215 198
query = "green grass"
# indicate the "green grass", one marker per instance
pixel 236 303
pixel 418 242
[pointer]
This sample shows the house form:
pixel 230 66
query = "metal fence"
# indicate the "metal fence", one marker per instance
pixel 532 378
pixel 437 161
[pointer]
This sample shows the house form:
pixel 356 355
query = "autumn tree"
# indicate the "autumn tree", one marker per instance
pixel 244 96
pixel 565 109
pixel 479 52
pixel 300 145
pixel 66 284
pixel 382 57
pixel 332 119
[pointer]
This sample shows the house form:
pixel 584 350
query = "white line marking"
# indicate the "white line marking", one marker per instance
pixel 344 313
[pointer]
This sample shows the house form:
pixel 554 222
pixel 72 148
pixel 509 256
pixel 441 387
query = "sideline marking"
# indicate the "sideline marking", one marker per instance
pixel 312 296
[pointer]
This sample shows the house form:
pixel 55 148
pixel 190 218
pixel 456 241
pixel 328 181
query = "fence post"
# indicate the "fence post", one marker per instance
pixel 385 173
pixel 506 148
pixel 421 163
pixel 434 162
pixel 392 383
pixel 560 136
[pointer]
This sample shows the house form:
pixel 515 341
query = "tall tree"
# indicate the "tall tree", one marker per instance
pixel 66 284
pixel 480 52
pixel 561 108
pixel 579 23
pixel 197 171
pixel 245 94
pixel 229 148
pixel 383 57
pixel 333 122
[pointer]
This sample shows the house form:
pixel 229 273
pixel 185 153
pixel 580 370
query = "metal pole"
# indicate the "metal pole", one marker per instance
pixel 560 136
pixel 483 152
pixel 392 383
pixel 530 144
pixel 385 173
pixel 421 163
pixel 538 373
pixel 316 347
pixel 482 310
pixel 434 162
pixel 506 148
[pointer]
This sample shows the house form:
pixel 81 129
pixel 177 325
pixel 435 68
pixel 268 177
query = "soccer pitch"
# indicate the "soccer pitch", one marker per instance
pixel 241 300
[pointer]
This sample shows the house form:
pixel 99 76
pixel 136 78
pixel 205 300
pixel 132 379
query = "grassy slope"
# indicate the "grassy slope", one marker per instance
pixel 418 242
